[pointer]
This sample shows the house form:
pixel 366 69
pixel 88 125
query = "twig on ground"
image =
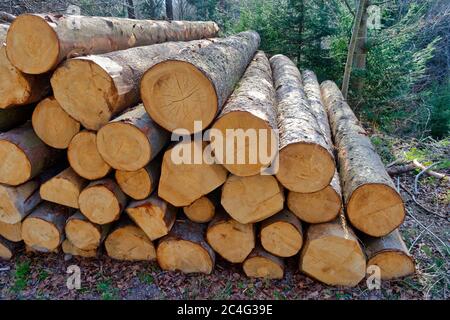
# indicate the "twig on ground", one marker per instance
pixel 416 179
pixel 396 167
pixel 420 205
pixel 415 240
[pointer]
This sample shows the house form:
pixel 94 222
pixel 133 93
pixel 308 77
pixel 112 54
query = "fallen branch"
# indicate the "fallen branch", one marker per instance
pixel 435 174
pixel 7 17
pixel 394 169
pixel 416 179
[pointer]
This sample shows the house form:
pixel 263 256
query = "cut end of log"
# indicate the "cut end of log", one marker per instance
pixel 123 146
pixel 99 204
pixel 83 234
pixel 201 210
pixel 9 209
pixel 305 167
pixel 176 93
pixel 84 157
pixel 5 252
pixel 69 248
pixel 33 45
pixel 393 264
pixel 53 125
pixel 129 243
pixel 136 184
pixel 63 189
pixel 11 232
pixel 15 167
pixel 261 264
pixel 40 235
pixel 375 209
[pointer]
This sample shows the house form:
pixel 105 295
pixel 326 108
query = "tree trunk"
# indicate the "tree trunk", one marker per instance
pixel 250 107
pixel 261 264
pixel 203 209
pixel 8 248
pixel 141 183
pixel 131 140
pixel 129 243
pixel 182 183
pixel 23 155
pixel 14 117
pixel 64 188
pixel 153 215
pixel 70 249
pixel 102 201
pixel 84 234
pixel 232 240
pixel 84 157
pixel 359 62
pixel 169 9
pixel 332 254
pixel 95 88
pixel 390 254
pixel 282 234
pixel 64 36
pixel 184 249
pixel 373 204
pixel 43 229
pixel 194 84
pixel 252 199
pixel 306 160
pixel 130 9
pixel 53 125
pixel 11 232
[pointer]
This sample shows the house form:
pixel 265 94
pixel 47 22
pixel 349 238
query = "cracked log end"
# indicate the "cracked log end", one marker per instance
pixel 83 234
pixel 136 184
pixel 176 93
pixel 33 46
pixel 69 248
pixel 261 264
pixel 15 167
pixel 201 210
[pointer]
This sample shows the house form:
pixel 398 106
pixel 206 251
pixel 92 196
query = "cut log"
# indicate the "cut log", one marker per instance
pixel 23 155
pixel 69 248
pixel 261 264
pixel 131 140
pixel 94 89
pixel 331 254
pixel 232 240
pixel 14 117
pixel 184 249
pixel 129 242
pixel 64 188
pixel 37 43
pixel 373 204
pixel 84 157
pixel 182 183
pixel 194 85
pixel 203 209
pixel 11 232
pixel 153 215
pixel 141 183
pixel 84 234
pixel 43 229
pixel 252 199
pixel 282 234
pixel 306 161
pixel 102 201
pixel 8 248
pixel 251 112
pixel 53 125
pixel 390 254
pixel 317 207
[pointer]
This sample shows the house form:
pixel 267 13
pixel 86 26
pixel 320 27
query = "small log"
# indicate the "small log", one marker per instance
pixel 11 232
pixel 153 215
pixel 14 117
pixel 261 264
pixel 102 201
pixel 282 234
pixel 131 141
pixel 252 199
pixel 203 209
pixel 8 249
pixel 84 234
pixel 64 188
pixel 184 249
pixel 230 239
pixel 70 249
pixel 84 157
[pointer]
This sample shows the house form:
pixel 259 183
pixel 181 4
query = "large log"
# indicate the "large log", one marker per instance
pixel 64 188
pixel 13 117
pixel 94 89
pixel 84 234
pixel 11 231
pixel 84 157
pixel 203 209
pixel 252 199
pixel 232 240
pixel 129 242
pixel 282 234
pixel 8 248
pixel 153 215
pixel 184 249
pixel 251 112
pixel 43 229
pixel 131 140
pixel 261 264
pixel 331 254
pixel 70 249
pixel 373 204
pixel 195 84
pixel 23 155
pixel 102 201
pixel 306 161
pixel 53 125
pixel 37 43
pixel 390 254
pixel 182 183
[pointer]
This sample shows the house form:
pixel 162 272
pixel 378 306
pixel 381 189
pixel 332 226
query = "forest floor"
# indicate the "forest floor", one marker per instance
pixel 427 235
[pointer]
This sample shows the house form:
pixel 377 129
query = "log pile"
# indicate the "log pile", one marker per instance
pixel 128 192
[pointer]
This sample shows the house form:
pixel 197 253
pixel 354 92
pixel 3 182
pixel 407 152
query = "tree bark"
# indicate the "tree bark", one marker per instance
pixel 261 264
pixel 373 204
pixel 169 9
pixel 11 232
pixel 14 117
pixel 130 9
pixel 84 234
pixel 65 36
pixel 194 84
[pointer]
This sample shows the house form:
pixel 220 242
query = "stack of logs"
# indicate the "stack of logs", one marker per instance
pixel 113 107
